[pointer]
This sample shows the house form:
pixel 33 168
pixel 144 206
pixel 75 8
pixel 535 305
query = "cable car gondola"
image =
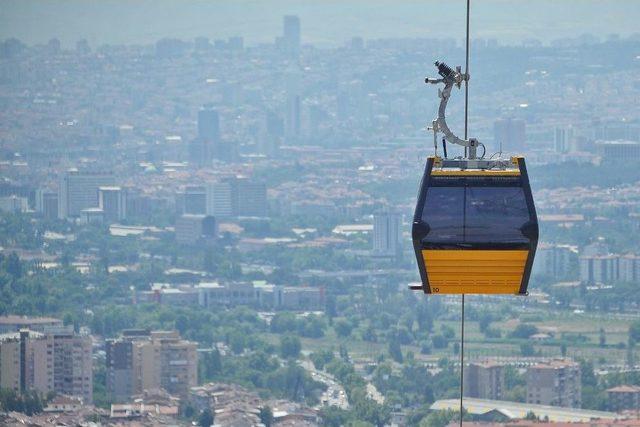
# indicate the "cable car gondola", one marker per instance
pixel 475 231
pixel 475 228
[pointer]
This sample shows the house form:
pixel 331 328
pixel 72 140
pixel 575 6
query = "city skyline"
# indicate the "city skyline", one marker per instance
pixel 216 224
pixel 145 22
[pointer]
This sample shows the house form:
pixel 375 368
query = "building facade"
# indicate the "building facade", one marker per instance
pixel 387 235
pixel 13 323
pixel 72 363
pixel 113 202
pixel 555 383
pixel 140 361
pixel 599 268
pixel 510 134
pixel 236 196
pixel 624 398
pixel 484 380
pixel 79 190
pixel 25 362
pixel 555 261
pixel 57 360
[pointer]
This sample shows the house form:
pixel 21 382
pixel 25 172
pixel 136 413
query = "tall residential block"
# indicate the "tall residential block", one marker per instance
pixel 26 362
pixel 556 261
pixel 79 190
pixel 599 268
pixel 72 363
pixel 510 134
pixel 47 203
pixel 113 202
pixel 387 235
pixel 291 36
pixel 206 145
pixel 555 383
pixel 119 363
pixel 159 359
pixel 236 196
pixel 624 398
pixel 484 380
pixel 54 360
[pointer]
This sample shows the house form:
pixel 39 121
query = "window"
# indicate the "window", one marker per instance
pixel 495 214
pixel 475 211
pixel 444 213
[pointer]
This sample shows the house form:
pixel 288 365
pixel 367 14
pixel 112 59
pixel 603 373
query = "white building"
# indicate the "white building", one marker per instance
pixel 387 235
pixel 190 228
pixel 113 202
pixel 47 203
pixel 219 199
pixel 555 261
pixel 563 140
pixel 621 150
pixel 252 198
pixel 213 294
pixel 510 134
pixel 236 196
pixel 599 268
pixel 629 268
pixel 14 204
pixel 79 190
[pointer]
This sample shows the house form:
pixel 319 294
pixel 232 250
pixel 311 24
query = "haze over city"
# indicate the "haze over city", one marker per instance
pixel 326 22
pixel 256 213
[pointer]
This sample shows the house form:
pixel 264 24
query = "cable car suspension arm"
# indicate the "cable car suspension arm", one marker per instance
pixel 450 78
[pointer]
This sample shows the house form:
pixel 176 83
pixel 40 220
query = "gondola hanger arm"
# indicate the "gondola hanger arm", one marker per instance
pixel 450 78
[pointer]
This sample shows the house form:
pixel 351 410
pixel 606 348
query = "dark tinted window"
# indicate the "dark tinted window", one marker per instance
pixel 444 213
pixel 495 214
pixel 457 213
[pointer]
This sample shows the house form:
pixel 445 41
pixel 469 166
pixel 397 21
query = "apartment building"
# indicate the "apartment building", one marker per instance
pixel 143 360
pixel 54 360
pixel 484 380
pixel 556 383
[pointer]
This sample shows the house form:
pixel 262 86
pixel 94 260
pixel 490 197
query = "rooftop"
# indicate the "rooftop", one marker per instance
pixel 520 410
pixel 25 320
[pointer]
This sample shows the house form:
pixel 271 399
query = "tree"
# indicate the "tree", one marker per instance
pixel 603 338
pixel 13 266
pixel 369 410
pixel 266 416
pixel 290 347
pixel 395 351
pixel 182 323
pixel 206 418
pixel 212 363
pixel 439 418
pixel 330 307
pixel 527 350
pixel 311 327
pixel 343 328
pixel 588 376
pixel 321 358
pixel 425 347
pixel 634 331
pixel 439 341
pixel 369 334
pixel 332 416
pixel 209 262
pixel 524 330
pixel 284 322
pixel 484 321
pixel 237 341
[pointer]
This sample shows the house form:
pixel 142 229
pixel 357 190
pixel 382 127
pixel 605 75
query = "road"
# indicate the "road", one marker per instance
pixel 334 395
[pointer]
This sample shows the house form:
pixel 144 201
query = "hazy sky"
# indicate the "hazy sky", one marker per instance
pixel 323 22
